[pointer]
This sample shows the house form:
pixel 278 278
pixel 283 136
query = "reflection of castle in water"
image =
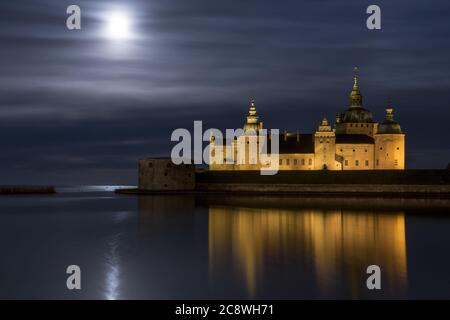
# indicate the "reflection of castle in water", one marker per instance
pixel 283 250
pixel 338 244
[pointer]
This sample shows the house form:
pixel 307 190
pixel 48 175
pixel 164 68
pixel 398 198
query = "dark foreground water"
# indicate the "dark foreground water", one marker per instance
pixel 182 247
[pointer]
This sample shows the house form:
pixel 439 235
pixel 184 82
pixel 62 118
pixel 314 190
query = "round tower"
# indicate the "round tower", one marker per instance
pixel 389 144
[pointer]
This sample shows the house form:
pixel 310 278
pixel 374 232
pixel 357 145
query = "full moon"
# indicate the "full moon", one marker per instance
pixel 118 26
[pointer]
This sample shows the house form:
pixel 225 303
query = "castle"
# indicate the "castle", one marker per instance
pixel 355 142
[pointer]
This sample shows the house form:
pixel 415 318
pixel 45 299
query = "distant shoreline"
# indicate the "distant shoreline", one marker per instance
pixel 11 190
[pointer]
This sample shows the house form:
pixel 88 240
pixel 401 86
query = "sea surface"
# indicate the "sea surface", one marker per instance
pixel 221 247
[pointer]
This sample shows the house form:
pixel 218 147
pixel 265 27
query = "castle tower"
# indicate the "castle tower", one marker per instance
pixel 253 122
pixel 324 147
pixel 389 143
pixel 356 119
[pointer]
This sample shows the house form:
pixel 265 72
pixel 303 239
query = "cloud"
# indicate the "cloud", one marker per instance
pixel 78 99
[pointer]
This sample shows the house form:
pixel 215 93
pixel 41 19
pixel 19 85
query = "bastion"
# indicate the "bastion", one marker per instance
pixel 161 174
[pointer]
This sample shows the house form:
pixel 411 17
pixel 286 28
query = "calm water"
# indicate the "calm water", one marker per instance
pixel 182 247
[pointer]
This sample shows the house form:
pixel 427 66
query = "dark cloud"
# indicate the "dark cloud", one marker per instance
pixel 76 107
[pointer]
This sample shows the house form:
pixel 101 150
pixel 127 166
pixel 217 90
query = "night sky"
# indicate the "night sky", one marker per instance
pixel 78 107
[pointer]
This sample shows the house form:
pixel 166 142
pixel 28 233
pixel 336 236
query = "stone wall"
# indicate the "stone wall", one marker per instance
pixel 379 189
pixel 163 175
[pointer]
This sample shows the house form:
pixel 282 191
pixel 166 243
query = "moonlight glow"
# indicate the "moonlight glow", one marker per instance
pixel 118 26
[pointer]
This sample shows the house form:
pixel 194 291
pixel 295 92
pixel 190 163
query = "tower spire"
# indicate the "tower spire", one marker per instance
pixel 252 111
pixel 252 118
pixel 355 95
pixel 355 78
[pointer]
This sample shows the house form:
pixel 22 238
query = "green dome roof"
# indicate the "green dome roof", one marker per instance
pixel 389 126
pixel 356 114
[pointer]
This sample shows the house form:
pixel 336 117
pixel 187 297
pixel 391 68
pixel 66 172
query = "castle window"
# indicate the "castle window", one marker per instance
pixel 346 162
pixel 351 124
pixel 396 162
pixel 328 141
pixel 398 148
pixel 367 163
pixel 295 162
pixel 365 150
pixel 378 162
pixel 353 150
pixel 356 162
pixel 287 161
pixel 362 125
pixel 341 150
pixel 310 161
pixel 303 162
pixel 281 162
pixel 381 148
pixel 367 125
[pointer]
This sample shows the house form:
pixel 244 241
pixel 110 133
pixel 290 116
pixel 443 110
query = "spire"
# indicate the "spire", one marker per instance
pixel 252 118
pixel 355 79
pixel 389 113
pixel 252 111
pixel 355 95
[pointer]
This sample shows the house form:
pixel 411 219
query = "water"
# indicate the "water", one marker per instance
pixel 186 247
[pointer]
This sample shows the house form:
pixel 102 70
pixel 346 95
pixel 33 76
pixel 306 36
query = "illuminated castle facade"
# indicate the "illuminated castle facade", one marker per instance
pixel 355 142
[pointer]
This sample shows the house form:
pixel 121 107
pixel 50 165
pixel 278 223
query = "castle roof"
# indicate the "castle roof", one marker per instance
pixel 354 139
pixel 289 143
pixel 389 126
pixel 355 112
